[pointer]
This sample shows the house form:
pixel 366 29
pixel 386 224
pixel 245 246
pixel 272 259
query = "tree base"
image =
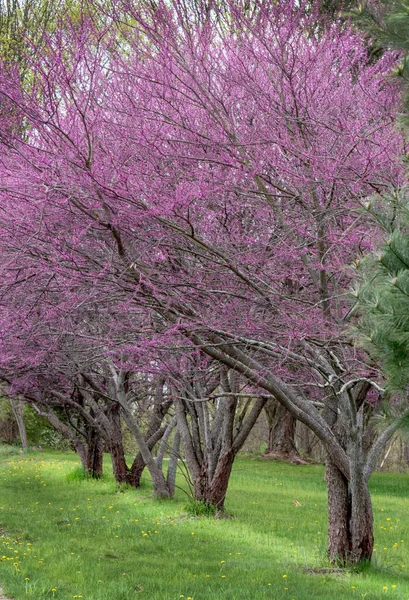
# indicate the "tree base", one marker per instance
pixel 291 457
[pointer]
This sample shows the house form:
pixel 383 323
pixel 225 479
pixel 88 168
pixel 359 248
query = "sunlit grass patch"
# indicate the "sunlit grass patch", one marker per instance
pixel 65 537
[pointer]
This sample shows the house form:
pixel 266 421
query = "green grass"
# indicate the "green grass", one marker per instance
pixel 66 537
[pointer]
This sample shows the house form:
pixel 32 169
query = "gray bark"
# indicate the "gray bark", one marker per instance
pixel 173 463
pixel 17 406
pixel 160 487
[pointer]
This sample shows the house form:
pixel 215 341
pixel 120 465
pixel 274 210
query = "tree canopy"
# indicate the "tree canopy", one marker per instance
pixel 182 204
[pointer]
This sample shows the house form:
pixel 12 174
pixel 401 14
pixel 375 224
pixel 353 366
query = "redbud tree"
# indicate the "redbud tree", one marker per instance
pixel 200 179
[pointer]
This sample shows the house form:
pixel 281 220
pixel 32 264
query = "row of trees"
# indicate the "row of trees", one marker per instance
pixel 181 192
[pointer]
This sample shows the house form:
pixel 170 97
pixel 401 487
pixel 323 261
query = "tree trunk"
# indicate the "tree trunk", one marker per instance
pixel 214 491
pixel 155 434
pixel 281 430
pixel 350 520
pixel 218 489
pixel 361 526
pixel 406 454
pixel 116 447
pixel 201 484
pixel 119 466
pixel 138 467
pixel 339 543
pixel 94 455
pixel 17 407
pixel 173 463
pixel 160 487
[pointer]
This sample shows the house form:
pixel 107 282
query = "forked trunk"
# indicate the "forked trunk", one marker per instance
pixel 160 487
pixel 350 520
pixel 213 490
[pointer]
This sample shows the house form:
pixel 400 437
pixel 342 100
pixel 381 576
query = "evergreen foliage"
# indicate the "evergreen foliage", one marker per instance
pixel 383 296
pixel 384 293
pixel 387 24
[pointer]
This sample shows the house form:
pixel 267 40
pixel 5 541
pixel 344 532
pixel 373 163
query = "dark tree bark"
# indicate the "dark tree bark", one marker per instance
pixel 216 493
pixel 350 540
pixel 94 455
pixel 281 430
pixel 115 443
pixel 339 543
pixel 136 470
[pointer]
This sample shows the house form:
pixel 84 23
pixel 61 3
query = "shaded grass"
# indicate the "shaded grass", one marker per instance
pixel 65 537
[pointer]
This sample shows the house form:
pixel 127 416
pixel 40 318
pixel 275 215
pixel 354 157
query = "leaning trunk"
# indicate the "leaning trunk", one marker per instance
pixel 160 487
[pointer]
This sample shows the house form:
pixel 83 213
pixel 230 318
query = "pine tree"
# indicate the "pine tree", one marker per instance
pixel 386 23
pixel 383 296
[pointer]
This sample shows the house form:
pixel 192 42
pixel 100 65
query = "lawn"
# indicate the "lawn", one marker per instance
pixel 65 538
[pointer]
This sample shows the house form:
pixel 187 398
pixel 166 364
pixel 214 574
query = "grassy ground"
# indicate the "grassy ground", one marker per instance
pixel 64 538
